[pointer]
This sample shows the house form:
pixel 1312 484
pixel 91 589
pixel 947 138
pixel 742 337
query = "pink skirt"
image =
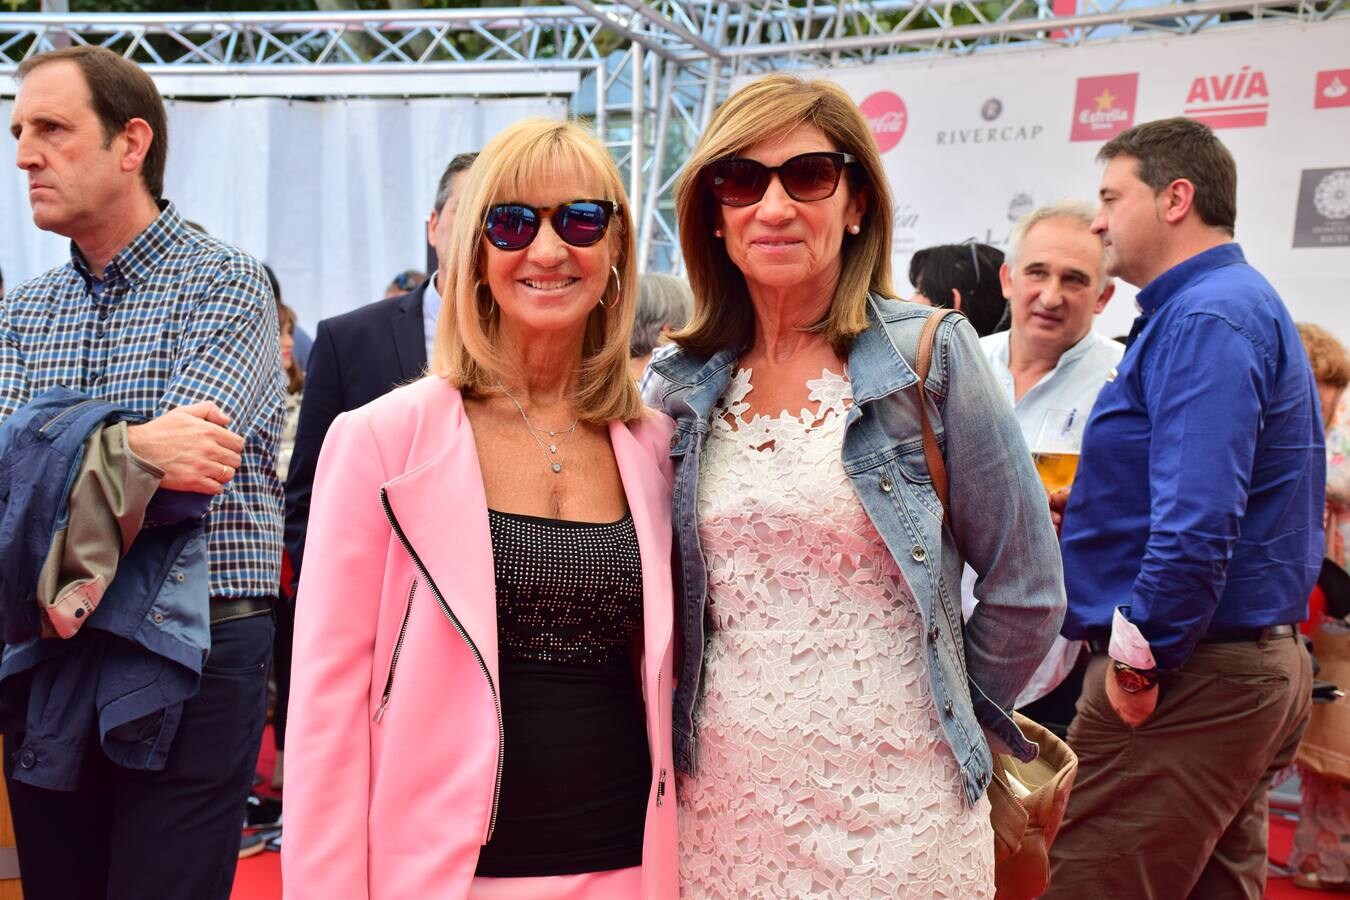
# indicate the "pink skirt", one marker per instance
pixel 616 884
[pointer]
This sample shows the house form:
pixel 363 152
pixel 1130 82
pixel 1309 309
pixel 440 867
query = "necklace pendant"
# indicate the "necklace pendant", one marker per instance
pixel 557 467
pixel 552 448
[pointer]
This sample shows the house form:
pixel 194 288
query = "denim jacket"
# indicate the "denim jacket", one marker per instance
pixel 123 678
pixel 999 522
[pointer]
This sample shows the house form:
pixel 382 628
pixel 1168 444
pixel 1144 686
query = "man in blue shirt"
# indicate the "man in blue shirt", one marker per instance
pixel 170 323
pixel 1191 540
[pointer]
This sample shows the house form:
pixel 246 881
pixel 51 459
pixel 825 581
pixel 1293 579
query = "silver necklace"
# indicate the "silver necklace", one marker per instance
pixel 552 447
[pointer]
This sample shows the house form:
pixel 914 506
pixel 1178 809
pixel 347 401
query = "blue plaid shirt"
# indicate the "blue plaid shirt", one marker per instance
pixel 178 317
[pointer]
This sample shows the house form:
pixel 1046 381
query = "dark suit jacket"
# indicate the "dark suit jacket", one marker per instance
pixel 357 357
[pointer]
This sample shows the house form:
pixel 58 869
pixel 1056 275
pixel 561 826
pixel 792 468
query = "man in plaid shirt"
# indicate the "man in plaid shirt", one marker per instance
pixel 156 317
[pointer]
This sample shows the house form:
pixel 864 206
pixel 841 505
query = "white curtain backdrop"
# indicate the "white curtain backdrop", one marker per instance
pixel 333 194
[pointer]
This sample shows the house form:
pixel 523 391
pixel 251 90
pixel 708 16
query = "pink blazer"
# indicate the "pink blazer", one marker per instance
pixel 393 738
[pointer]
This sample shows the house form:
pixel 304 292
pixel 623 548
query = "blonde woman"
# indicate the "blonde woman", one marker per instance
pixel 484 631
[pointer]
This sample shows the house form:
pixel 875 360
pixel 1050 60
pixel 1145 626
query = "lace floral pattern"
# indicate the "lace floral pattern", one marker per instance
pixel 1338 486
pixel 822 767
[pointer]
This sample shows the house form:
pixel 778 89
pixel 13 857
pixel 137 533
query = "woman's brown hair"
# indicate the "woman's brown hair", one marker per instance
pixel 764 109
pixel 295 376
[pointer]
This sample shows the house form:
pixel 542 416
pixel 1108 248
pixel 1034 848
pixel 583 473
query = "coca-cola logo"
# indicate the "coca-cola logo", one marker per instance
pixel 886 115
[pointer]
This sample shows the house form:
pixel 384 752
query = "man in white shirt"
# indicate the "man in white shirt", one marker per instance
pixel 1055 281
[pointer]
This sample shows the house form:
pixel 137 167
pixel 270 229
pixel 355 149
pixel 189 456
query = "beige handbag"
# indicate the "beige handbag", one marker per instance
pixel 1026 800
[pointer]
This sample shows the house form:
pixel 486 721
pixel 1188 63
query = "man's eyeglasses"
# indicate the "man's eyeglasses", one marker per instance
pixel 806 178
pixel 581 223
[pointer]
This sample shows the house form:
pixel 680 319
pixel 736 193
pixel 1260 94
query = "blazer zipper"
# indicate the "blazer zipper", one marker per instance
pixel 473 648
pixel 661 781
pixel 398 648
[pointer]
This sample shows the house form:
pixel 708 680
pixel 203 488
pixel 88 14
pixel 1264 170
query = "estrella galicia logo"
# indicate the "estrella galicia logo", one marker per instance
pixel 992 109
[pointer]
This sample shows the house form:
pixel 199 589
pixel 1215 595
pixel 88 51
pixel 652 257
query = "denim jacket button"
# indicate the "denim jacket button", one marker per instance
pixel 947 708
pixel 918 553
pixel 933 634
pixel 674 441
pixel 27 759
pixel 886 483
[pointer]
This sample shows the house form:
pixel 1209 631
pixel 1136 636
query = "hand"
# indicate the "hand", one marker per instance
pixel 1058 500
pixel 192 445
pixel 1133 709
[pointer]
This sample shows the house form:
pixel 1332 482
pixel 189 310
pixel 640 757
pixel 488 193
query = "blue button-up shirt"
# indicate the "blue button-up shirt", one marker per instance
pixel 1198 502
pixel 178 317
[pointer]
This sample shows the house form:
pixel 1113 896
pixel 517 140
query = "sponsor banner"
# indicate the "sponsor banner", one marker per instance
pixel 988 125
pixel 1323 209
pixel 970 144
pixel 886 114
pixel 1238 99
pixel 1333 89
pixel 1104 106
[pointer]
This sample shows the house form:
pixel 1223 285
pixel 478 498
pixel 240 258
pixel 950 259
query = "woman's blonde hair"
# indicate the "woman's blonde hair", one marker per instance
pixel 531 155
pixel 765 109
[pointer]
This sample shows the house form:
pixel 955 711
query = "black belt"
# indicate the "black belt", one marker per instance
pixel 1244 635
pixel 228 609
pixel 1230 636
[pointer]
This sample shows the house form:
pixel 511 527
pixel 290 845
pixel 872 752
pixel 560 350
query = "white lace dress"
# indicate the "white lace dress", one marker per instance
pixel 822 767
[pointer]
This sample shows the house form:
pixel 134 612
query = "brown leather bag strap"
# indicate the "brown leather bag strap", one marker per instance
pixel 937 469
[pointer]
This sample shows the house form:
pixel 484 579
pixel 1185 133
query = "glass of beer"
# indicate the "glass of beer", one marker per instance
pixel 1057 447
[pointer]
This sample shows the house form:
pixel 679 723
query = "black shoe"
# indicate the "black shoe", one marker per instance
pixel 262 812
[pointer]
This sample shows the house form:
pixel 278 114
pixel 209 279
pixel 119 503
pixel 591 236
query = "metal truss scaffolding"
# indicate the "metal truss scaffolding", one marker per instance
pixel 649 72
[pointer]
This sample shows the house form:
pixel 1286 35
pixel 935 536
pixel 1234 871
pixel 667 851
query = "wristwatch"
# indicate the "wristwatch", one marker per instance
pixel 1132 680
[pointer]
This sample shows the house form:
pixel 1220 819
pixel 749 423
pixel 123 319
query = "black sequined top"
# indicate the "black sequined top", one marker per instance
pixel 576 767
pixel 567 592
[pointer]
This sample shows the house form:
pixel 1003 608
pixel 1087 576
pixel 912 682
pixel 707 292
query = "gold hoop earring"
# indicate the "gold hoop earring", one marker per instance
pixel 618 290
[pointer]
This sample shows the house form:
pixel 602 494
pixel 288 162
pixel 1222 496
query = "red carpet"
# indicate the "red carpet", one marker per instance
pixel 259 877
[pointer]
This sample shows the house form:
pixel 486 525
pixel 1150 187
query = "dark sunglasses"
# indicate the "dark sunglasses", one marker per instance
pixel 581 223
pixel 806 178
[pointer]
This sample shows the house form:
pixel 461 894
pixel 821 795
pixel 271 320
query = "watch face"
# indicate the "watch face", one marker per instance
pixel 1132 681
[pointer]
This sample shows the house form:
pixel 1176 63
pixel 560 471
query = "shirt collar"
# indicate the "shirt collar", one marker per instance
pixel 1002 351
pixel 1077 350
pixel 1171 282
pixel 138 259
pixel 431 299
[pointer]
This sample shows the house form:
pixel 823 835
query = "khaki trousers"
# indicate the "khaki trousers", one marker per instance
pixel 1177 808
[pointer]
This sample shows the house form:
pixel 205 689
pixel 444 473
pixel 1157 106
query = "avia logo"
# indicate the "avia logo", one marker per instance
pixel 887 116
pixel 1239 99
pixel 1333 89
pixel 1104 106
